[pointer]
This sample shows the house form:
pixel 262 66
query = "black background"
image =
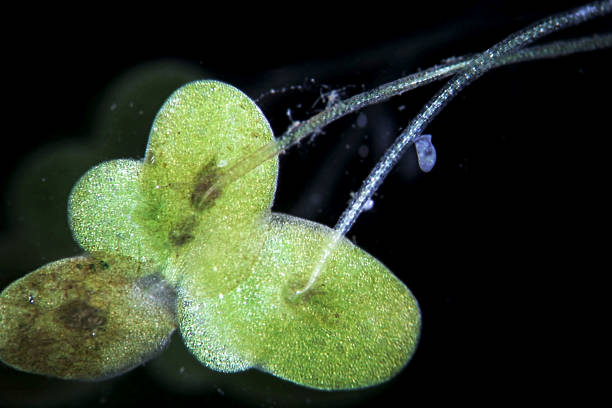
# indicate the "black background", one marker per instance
pixel 495 242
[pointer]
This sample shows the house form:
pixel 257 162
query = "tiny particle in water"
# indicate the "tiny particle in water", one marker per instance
pixel 113 107
pixel 401 107
pixel 181 370
pixel 43 179
pixel 220 295
pixel 363 151
pixel 362 120
pixel 368 205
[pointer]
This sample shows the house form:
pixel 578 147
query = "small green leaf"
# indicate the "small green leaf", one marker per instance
pixel 100 211
pixel 201 130
pixel 358 325
pixel 85 318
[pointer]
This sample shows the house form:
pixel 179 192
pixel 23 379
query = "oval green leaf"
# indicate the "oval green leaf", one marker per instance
pixel 85 318
pixel 201 130
pixel 357 327
pixel 100 211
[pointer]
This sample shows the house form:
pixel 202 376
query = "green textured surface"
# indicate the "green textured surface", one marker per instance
pixel 358 326
pixel 100 211
pixel 201 129
pixel 85 318
pixel 233 266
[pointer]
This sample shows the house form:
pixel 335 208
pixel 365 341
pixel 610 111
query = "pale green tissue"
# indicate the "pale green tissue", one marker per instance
pixel 358 326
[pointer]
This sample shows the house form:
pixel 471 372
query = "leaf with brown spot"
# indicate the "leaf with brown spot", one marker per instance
pixel 85 318
pixel 203 129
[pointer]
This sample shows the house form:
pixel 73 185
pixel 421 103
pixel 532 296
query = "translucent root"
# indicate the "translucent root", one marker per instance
pixel 342 108
pixel 327 251
pixel 412 134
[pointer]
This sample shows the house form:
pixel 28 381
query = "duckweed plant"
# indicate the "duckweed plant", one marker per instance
pixel 185 239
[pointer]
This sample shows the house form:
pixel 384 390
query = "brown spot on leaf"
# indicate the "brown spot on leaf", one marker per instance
pixel 79 315
pixel 178 240
pixel 201 197
pixel 183 232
